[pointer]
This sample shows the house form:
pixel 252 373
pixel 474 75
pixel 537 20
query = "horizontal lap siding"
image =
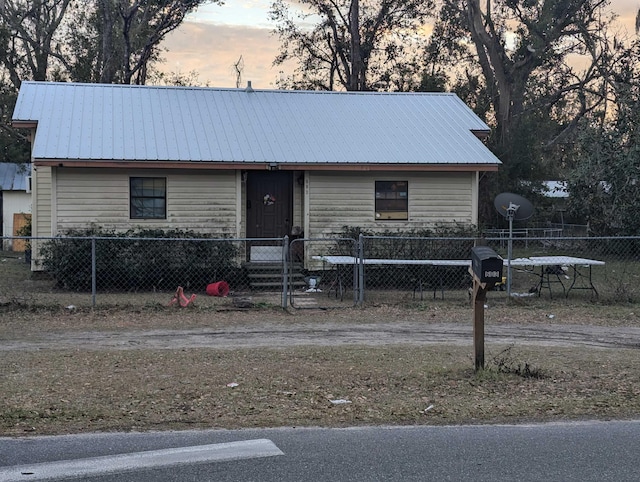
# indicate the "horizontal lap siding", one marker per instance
pixel 42 185
pixel 200 202
pixel 338 199
pixel 41 217
pixel 440 198
pixel 203 202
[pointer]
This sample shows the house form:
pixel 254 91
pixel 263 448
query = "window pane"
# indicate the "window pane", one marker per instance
pixel 148 197
pixel 392 200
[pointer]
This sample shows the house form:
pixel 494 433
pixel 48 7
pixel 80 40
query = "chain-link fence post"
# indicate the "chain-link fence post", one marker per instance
pixel 285 272
pixel 360 269
pixel 93 272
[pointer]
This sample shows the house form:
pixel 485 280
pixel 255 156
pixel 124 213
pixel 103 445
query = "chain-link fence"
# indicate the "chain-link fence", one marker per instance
pixel 409 269
pixel 310 273
pixel 327 272
pixel 81 271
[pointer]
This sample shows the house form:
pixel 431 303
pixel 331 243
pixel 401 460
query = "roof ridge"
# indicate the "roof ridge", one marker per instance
pixel 231 89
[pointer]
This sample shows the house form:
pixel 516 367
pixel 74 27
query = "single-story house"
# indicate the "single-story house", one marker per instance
pixel 249 163
pixel 15 203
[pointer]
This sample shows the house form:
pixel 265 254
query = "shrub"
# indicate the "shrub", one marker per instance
pixel 138 260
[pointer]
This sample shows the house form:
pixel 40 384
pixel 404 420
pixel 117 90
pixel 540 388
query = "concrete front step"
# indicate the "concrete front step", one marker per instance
pixel 268 276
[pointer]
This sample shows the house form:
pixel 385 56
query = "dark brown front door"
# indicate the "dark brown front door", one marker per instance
pixel 269 204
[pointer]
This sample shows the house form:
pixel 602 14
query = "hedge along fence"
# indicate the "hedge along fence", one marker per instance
pixel 134 262
pixel 159 260
pixel 415 243
pixel 138 260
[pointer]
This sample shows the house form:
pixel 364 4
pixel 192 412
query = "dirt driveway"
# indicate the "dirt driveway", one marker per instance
pixel 274 328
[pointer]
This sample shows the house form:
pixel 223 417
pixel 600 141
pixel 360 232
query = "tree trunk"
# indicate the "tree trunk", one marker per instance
pixel 107 75
pixel 356 80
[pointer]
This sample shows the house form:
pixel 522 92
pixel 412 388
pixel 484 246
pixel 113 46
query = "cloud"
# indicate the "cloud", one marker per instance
pixel 626 14
pixel 212 50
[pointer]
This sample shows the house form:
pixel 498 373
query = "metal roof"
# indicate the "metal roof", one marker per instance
pixel 13 177
pixel 127 123
pixel 557 189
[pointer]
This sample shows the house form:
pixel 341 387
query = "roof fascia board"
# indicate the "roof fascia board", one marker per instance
pixel 266 166
pixel 481 134
pixel 24 124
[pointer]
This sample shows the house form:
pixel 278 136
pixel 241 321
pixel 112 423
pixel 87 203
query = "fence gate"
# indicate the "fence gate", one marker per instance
pixel 323 273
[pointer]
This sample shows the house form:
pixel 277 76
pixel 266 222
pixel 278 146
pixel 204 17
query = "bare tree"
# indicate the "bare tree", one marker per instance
pixel 29 30
pixel 111 41
pixel 605 183
pixel 356 45
pixel 517 41
pixel 238 68
pixel 136 29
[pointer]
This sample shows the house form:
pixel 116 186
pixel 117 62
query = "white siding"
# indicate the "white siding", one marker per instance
pixel 42 214
pixel 13 202
pixel 441 198
pixel 339 199
pixel 199 201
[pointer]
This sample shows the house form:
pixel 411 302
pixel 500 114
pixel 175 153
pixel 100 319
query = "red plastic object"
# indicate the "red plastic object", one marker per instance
pixel 219 288
pixel 181 299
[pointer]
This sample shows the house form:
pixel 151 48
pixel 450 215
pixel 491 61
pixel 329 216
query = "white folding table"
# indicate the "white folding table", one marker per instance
pixel 580 271
pixel 581 276
pixel 339 260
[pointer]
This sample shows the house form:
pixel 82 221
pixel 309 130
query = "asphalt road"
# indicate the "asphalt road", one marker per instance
pixel 584 451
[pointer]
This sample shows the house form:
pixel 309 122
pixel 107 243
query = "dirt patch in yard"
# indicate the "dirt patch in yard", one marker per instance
pixel 72 370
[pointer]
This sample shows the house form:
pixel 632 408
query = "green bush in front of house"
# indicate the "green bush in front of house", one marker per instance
pixel 138 260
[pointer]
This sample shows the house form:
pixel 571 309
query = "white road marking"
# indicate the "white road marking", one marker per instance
pixel 152 459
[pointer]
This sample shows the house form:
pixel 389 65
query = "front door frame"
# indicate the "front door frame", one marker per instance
pixel 269 206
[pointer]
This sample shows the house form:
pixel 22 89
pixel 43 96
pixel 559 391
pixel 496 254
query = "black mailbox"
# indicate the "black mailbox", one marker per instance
pixel 486 264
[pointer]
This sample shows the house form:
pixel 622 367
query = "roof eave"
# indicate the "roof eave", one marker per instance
pixel 24 124
pixel 262 166
pixel 481 134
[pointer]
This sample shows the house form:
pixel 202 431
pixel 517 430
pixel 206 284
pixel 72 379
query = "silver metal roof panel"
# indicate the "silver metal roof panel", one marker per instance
pixel 13 177
pixel 125 122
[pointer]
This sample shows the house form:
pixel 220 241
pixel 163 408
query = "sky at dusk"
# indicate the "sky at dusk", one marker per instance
pixel 211 40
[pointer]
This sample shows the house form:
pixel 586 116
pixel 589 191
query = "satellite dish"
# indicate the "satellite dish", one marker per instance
pixel 513 207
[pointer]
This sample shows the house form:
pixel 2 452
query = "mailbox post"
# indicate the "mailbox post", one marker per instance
pixel 486 270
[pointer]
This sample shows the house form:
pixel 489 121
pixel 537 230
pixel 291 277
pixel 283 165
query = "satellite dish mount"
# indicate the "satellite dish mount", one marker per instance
pixel 514 208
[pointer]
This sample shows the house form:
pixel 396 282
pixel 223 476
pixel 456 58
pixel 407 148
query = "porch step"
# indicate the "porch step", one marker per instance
pixel 264 276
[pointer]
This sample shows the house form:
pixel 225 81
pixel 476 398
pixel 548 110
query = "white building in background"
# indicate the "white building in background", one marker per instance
pixel 15 202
